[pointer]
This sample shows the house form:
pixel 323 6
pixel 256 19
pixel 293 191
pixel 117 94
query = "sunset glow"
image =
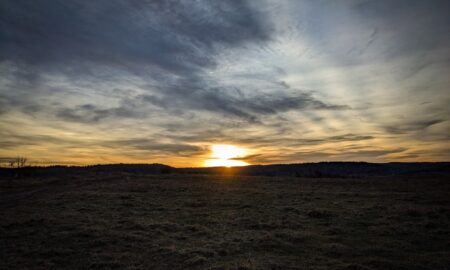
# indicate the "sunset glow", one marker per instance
pixel 226 156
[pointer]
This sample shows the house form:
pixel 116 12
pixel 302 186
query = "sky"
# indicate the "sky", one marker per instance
pixel 108 81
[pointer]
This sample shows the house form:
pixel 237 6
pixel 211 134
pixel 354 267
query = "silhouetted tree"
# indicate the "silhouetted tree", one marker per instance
pixel 21 162
pixel 18 162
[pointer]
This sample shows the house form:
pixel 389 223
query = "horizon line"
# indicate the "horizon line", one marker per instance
pixel 206 167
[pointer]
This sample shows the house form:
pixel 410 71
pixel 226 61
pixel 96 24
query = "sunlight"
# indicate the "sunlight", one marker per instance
pixel 224 151
pixel 224 163
pixel 226 156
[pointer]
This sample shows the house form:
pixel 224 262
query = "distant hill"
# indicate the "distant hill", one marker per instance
pixel 317 170
pixel 332 169
pixel 101 168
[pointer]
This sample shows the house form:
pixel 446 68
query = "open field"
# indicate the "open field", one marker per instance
pixel 128 221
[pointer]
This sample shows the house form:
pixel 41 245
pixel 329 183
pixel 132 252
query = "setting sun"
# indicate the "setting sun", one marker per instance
pixel 226 155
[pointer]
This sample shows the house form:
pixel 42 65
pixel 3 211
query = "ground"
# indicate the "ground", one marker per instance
pixel 127 221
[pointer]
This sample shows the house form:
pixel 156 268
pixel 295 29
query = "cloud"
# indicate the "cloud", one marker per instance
pixel 7 159
pixel 89 113
pixel 412 126
pixel 154 146
pixel 349 137
pixel 300 141
pixel 302 156
pixel 171 43
pixel 11 140
pixel 163 36
pixel 204 95
pixel 409 26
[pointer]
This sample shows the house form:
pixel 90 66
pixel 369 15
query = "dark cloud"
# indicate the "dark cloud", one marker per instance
pixel 172 42
pixel 292 156
pixel 411 126
pixel 418 25
pixel 7 159
pixel 144 145
pixel 153 146
pixel 178 101
pixel 4 106
pixel 249 158
pixel 89 113
pixel 297 142
pixel 74 37
pixel 13 140
pixel 231 102
pixel 173 36
pixel 350 137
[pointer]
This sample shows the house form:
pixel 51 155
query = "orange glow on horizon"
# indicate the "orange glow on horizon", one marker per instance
pixel 224 155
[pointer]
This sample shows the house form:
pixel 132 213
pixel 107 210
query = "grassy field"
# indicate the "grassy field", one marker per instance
pixel 224 222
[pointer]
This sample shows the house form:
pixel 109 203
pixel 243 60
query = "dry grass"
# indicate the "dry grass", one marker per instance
pixel 224 222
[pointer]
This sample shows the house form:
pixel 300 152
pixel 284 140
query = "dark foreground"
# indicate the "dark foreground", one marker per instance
pixel 125 221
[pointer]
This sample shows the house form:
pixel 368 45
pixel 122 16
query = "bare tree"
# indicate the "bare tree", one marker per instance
pixel 21 162
pixel 18 162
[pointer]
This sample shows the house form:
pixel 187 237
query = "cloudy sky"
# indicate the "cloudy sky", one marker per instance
pixel 108 81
